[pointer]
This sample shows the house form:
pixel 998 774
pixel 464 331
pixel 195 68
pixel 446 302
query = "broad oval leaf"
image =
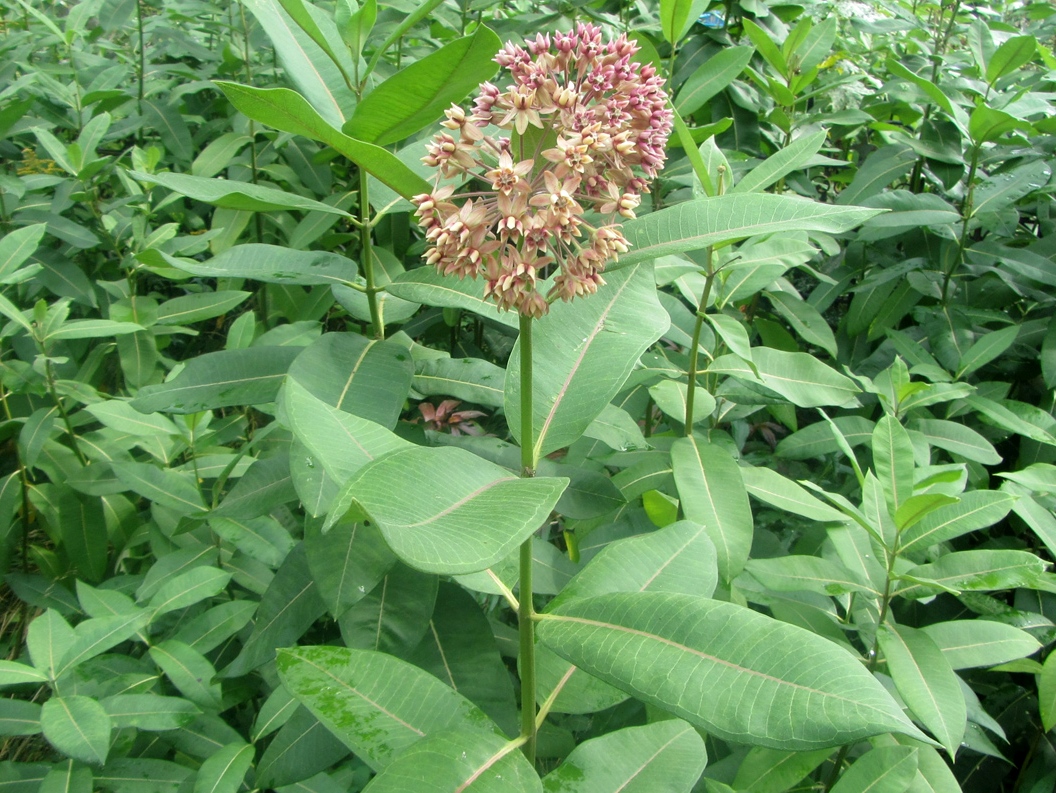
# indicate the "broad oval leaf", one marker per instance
pixel 376 704
pixel 737 674
pixel 693 225
pixel 426 285
pixel 977 509
pixel 663 757
pixel 78 727
pixel 966 644
pixel 886 769
pixel 446 510
pixel 712 76
pixel 419 93
pixel 459 760
pixel 220 379
pixel 800 378
pixel 225 770
pixel 583 353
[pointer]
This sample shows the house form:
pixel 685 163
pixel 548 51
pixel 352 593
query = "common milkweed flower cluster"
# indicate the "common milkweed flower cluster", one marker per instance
pixel 586 130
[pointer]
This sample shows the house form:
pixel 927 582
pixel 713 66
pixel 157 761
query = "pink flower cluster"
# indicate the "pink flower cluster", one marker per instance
pixel 581 117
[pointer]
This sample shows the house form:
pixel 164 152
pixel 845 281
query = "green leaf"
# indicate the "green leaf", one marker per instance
pixel 375 704
pixel 800 378
pixel 230 194
pixel 188 309
pixel 121 416
pixel 583 353
pixel 773 771
pixel 426 285
pixel 766 47
pixel 678 16
pixel 220 379
pixel 957 439
pixel 987 125
pixel 817 695
pixel 92 329
pixel 300 13
pixel 15 249
pixel 78 727
pixel 394 616
pixel 266 484
pixel 188 588
pixel 712 76
pixel 459 648
pixel 885 769
pixel 13 673
pixel 445 510
pixel 339 441
pixel 893 460
pixel 1013 53
pixel 713 494
pixel 986 348
pixel 358 375
pixel 470 379
pixel 967 644
pixel 305 63
pixel 142 775
pixel 1047 692
pixel 1039 477
pixel 190 671
pixel 817 439
pixel 879 170
pixel 172 489
pixel 807 574
pixel 347 562
pixel 663 757
pixel 776 490
pixel 926 682
pixel 212 628
pixel 149 711
pixel 97 635
pixel 262 538
pixel 67 777
pixel 978 571
pixel 287 610
pixel 418 94
pixel 677 558
pixel 805 320
pixel 303 748
pixel 273 264
pixel 288 111
pixel 977 509
pixel 617 429
pixel 225 770
pixel 778 165
pixel 18 717
pixel 693 225
pixel 456 760
pixel 670 396
pixel 83 531
pixel 49 639
pixel 934 93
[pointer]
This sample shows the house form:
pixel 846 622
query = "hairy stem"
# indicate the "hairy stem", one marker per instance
pixel 525 612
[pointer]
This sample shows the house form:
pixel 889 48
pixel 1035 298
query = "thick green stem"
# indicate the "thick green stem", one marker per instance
pixel 525 612
pixel 142 55
pixel 366 255
pixel 694 346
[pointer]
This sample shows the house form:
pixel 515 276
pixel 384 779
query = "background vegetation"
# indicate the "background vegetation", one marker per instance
pixel 222 365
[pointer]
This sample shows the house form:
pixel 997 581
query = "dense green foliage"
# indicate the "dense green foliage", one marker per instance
pixel 261 494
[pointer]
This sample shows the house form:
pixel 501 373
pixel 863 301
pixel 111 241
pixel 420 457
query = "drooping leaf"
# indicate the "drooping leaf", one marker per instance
pixel 229 194
pixel 287 110
pixel 696 647
pixel 272 264
pixel 220 379
pixel 375 704
pixel 713 494
pixel 800 378
pixel 445 510
pixel 925 681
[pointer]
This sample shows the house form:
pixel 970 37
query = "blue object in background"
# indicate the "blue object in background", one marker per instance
pixel 712 19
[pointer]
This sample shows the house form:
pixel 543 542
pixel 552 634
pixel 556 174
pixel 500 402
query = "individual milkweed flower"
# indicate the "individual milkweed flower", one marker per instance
pixel 526 211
